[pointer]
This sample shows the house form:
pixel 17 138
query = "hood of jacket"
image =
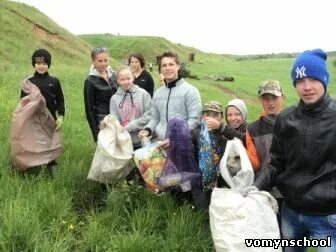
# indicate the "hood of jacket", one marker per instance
pixel 240 105
pixel 93 71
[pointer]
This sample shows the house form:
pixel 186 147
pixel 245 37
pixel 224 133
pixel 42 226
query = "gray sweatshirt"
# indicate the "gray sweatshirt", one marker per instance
pixel 182 100
pixel 132 108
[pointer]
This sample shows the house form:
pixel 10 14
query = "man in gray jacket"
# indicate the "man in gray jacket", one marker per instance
pixel 303 160
pixel 176 98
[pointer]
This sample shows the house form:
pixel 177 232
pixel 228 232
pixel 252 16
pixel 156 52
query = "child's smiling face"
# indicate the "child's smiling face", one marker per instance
pixel 40 66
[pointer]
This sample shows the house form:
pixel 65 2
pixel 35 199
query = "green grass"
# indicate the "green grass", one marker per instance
pixel 71 213
pixel 122 46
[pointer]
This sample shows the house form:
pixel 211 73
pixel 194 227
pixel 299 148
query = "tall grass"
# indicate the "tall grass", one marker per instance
pixel 70 213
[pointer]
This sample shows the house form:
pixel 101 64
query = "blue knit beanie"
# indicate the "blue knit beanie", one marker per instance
pixel 311 64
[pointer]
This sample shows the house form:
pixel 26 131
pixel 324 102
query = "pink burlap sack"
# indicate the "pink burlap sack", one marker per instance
pixel 33 138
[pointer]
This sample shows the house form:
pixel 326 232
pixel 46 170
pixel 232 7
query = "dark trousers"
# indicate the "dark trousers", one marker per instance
pixel 201 198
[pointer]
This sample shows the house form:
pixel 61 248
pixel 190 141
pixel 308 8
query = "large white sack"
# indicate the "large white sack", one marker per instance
pixel 233 217
pixel 113 157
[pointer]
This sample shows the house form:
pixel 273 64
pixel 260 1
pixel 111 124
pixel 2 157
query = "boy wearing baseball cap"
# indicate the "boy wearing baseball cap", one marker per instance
pixel 207 154
pixel 259 132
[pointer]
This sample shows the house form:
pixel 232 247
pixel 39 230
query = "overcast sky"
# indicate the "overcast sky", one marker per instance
pixel 219 26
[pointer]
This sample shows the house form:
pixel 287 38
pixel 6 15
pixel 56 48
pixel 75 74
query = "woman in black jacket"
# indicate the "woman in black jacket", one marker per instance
pixel 142 77
pixel 99 86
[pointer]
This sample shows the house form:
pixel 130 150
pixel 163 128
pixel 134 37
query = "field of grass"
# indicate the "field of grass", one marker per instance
pixel 70 213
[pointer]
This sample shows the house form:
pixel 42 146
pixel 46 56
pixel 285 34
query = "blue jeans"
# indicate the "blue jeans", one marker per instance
pixel 297 225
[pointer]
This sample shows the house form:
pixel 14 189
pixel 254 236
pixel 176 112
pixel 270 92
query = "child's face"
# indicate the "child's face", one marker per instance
pixel 215 115
pixel 169 68
pixel 272 104
pixel 125 79
pixel 234 117
pixel 41 67
pixel 101 62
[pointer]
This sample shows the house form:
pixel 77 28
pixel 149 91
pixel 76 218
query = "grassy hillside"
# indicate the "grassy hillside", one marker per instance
pixel 248 71
pixel 71 213
pixel 26 29
pixel 122 46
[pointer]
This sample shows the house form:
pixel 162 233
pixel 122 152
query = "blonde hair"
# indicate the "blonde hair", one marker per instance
pixel 123 68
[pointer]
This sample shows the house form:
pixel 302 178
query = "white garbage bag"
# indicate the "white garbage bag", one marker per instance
pixel 113 157
pixel 235 156
pixel 236 219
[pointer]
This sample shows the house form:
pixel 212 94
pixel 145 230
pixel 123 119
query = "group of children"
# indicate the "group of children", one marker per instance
pixel 276 144
pixel 108 92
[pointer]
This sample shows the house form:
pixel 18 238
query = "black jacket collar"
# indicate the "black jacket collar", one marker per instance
pixel 36 74
pixel 172 83
pixel 317 107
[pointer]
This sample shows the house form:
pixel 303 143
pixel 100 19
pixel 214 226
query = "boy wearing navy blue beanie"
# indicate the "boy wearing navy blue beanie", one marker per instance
pixel 303 164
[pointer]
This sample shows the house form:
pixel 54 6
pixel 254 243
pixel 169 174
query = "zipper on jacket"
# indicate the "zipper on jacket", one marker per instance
pixel 167 104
